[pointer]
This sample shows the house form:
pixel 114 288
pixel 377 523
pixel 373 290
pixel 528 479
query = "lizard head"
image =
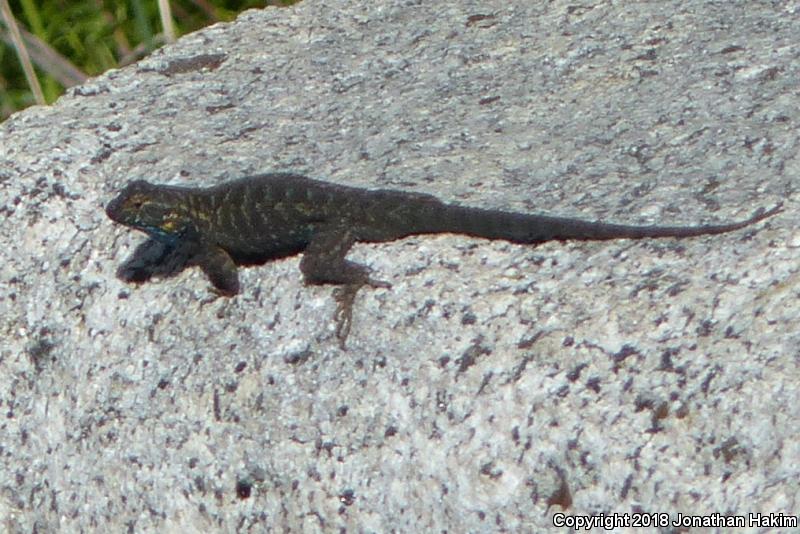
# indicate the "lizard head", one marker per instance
pixel 155 209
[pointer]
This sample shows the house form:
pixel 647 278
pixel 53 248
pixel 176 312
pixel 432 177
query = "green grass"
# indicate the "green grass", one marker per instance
pixel 68 39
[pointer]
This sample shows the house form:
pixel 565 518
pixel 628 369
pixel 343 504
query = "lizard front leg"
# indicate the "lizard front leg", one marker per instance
pixel 219 267
pixel 324 263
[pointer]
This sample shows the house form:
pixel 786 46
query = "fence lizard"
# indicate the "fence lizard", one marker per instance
pixel 258 218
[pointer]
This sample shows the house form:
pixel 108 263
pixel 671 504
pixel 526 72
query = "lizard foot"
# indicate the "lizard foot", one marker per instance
pixel 371 282
pixel 345 297
pixel 343 316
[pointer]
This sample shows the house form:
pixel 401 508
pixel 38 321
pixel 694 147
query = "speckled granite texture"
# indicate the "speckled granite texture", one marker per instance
pixel 494 386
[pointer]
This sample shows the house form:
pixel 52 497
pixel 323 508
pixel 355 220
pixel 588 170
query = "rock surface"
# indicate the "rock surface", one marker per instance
pixel 494 386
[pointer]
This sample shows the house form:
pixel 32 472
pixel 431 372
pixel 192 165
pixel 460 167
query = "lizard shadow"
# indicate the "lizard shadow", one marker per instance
pixel 155 259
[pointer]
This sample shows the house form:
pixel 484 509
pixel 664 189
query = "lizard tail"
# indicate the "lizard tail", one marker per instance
pixel 532 228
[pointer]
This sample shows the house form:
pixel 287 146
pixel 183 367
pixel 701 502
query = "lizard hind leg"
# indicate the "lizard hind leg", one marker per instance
pixel 324 263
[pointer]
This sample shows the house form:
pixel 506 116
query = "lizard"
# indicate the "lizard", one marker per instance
pixel 258 218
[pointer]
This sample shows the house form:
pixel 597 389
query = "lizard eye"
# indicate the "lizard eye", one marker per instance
pixel 136 202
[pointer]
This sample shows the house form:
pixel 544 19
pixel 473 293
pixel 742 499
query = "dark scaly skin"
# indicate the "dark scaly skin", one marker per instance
pixel 255 219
